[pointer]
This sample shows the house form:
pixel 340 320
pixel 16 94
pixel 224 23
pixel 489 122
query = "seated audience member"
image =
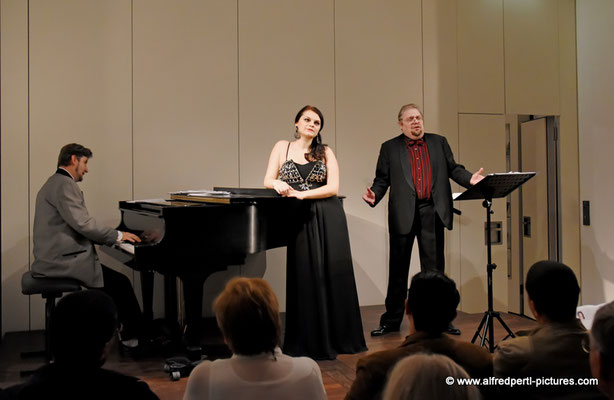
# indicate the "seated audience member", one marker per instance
pixel 247 312
pixel 431 304
pixel 602 348
pixel 556 348
pixel 423 376
pixel 82 330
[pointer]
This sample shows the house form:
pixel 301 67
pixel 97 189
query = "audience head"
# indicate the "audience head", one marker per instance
pixel 602 348
pixel 432 299
pixel 553 291
pixel 423 376
pixel 247 312
pixel 81 326
pixel 72 149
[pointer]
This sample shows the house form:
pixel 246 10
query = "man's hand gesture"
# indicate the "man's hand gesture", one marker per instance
pixel 475 178
pixel 369 197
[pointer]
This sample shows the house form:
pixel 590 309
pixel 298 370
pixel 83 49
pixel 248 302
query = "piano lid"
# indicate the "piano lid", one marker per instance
pixel 226 195
pixel 252 192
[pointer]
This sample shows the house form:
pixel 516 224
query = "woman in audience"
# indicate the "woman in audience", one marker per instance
pixel 247 313
pixel 428 376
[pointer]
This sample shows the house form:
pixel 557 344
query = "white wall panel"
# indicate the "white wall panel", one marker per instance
pixel 80 92
pixel 569 152
pixel 595 101
pixel 185 95
pixel 482 141
pixel 14 128
pixel 441 95
pixel 531 57
pixel 286 53
pixel 480 57
pixel 378 68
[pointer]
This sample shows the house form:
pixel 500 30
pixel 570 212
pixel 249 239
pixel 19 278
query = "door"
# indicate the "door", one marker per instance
pixel 539 208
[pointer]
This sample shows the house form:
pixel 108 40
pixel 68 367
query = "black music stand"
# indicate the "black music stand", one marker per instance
pixel 493 186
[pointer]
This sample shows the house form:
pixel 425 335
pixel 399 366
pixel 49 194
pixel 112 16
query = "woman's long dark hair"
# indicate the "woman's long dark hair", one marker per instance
pixel 317 150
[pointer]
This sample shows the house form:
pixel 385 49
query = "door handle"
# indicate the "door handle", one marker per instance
pixel 526 226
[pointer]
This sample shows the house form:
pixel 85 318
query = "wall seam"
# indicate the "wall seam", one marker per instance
pixel 132 92
pixel 1 247
pixel 478 113
pixel 578 144
pixel 335 72
pixel 422 49
pixel 458 113
pixel 29 180
pixel 504 63
pixel 238 104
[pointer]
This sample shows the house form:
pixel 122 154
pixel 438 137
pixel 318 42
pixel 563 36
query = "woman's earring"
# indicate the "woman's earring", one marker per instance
pixel 296 134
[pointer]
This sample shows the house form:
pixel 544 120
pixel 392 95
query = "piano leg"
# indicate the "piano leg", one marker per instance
pixel 147 283
pixel 170 298
pixel 193 303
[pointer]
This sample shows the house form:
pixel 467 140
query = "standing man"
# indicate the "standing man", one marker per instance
pixel 417 167
pixel 64 237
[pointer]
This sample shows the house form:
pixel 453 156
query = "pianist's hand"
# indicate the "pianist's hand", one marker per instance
pixel 130 237
pixel 281 187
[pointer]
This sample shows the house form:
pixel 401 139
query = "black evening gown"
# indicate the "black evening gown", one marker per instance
pixel 322 311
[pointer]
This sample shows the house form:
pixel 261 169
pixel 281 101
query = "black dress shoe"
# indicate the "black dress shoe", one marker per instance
pixel 452 330
pixel 384 329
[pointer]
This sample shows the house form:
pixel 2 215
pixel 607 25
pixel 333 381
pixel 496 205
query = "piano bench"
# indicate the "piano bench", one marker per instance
pixel 50 289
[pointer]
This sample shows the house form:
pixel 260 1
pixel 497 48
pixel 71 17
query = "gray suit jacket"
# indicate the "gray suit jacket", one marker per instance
pixel 65 233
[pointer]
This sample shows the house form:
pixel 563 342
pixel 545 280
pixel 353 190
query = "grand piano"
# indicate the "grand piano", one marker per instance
pixel 191 238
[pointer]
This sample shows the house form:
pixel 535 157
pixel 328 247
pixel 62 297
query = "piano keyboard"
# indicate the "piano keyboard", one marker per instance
pixel 127 247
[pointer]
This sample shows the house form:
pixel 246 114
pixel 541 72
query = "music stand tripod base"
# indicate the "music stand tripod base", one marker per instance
pixel 492 186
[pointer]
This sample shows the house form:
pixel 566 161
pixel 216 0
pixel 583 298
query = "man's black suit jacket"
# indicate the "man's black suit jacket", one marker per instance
pixel 394 171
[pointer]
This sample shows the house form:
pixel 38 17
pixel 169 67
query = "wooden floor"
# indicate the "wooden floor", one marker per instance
pixel 337 374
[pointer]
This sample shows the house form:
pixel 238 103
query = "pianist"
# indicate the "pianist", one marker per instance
pixel 64 237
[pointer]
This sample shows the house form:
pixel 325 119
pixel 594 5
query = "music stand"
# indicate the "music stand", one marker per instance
pixel 493 186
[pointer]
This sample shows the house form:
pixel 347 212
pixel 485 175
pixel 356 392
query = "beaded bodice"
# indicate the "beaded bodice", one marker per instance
pixel 303 176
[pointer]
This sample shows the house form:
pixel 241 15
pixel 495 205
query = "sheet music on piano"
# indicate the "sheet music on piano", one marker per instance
pixel 201 195
pixel 151 201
